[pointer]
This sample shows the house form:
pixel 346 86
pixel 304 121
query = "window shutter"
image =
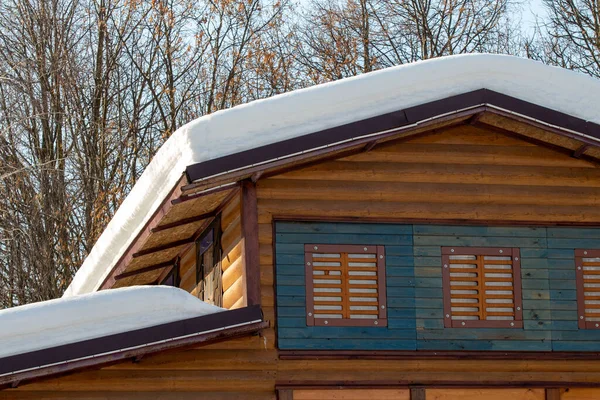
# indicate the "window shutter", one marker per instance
pixel 587 264
pixel 345 285
pixel 482 287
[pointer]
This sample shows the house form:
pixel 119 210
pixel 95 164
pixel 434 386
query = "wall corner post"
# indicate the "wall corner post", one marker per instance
pixel 251 246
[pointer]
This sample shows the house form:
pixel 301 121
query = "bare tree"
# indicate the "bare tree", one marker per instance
pixel 342 39
pixel 570 37
pixel 90 89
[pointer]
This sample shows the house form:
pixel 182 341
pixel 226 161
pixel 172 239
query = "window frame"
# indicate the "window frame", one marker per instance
pixel 310 249
pixel 214 229
pixel 580 254
pixel 174 273
pixel 514 252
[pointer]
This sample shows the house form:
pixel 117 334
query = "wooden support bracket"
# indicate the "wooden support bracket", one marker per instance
pixel 579 152
pixel 145 269
pixel 162 247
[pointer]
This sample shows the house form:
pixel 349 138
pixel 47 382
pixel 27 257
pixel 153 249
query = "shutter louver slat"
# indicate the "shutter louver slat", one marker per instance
pixel 481 287
pixel 345 285
pixel 588 288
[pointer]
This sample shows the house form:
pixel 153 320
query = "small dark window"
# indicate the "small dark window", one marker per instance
pixel 172 279
pixel 345 285
pixel 482 287
pixel 208 265
pixel 587 264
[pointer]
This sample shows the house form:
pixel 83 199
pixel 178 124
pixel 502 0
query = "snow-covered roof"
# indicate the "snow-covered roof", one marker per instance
pixel 317 108
pixel 69 320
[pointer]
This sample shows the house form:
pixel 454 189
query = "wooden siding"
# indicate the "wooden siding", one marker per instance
pixel 487 394
pixel 243 369
pixel 232 262
pixel 292 331
pixel 187 271
pixel 414 288
pixel 465 173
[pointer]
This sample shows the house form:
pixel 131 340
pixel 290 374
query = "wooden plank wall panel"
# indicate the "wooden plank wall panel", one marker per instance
pixel 352 394
pixel 580 394
pixel 463 173
pixel 291 292
pixel 563 295
pixel 231 242
pixel 187 270
pixel 487 394
pixel 414 288
pixel 535 289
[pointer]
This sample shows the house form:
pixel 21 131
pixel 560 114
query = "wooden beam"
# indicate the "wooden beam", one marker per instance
pixel 285 394
pixel 417 394
pixel 436 355
pixel 145 269
pixel 143 235
pixel 553 394
pixel 185 221
pixel 369 146
pixel 537 142
pixel 162 247
pixel 473 119
pixel 256 176
pixel 200 217
pixel 579 152
pixel 251 277
pixel 193 196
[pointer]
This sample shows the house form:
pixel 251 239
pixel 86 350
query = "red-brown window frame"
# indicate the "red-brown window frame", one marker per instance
pixel 482 251
pixel 580 254
pixel 309 249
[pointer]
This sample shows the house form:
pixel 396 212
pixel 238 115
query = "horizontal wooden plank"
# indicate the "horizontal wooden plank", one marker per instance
pixel 448 173
pixel 457 192
pixel 334 344
pixel 467 154
pixel 487 394
pixel 580 394
pixel 352 394
pixel 393 210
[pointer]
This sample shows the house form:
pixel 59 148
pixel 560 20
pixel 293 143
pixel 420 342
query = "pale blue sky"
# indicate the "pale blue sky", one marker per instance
pixel 531 9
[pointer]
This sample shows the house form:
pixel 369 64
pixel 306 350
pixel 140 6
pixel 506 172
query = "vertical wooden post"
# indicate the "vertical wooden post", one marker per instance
pixel 552 394
pixel 417 394
pixel 285 394
pixel 251 251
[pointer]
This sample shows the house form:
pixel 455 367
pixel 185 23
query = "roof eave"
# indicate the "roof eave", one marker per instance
pixel 97 352
pixel 392 123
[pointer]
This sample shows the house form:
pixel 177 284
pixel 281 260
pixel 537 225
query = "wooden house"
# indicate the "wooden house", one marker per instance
pixel 430 231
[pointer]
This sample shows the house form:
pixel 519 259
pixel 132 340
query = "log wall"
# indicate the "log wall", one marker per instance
pixel 462 174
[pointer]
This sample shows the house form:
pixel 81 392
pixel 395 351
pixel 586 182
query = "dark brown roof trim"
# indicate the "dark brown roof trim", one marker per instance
pixel 386 122
pixel 131 344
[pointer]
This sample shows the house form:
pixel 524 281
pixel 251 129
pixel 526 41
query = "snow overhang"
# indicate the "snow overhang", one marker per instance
pixel 240 142
pixel 132 345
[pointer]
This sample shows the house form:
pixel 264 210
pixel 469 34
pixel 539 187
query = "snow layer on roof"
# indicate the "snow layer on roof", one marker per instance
pixel 68 320
pixel 325 106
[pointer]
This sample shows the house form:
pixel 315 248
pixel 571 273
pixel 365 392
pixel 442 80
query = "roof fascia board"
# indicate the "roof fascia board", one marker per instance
pixel 396 120
pixel 112 348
